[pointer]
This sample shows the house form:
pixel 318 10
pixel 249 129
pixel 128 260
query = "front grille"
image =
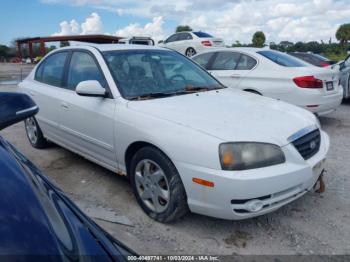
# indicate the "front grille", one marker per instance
pixel 309 144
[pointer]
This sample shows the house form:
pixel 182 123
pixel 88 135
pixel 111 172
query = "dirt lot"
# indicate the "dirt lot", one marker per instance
pixel 314 224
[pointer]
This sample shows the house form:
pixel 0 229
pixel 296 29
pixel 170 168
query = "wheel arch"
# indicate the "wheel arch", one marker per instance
pixel 136 146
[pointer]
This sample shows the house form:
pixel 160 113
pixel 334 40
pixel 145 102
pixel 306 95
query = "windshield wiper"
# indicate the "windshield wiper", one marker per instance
pixel 153 95
pixel 187 90
pixel 201 88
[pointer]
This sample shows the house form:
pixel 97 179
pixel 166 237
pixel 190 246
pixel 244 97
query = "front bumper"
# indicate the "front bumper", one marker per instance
pixel 275 186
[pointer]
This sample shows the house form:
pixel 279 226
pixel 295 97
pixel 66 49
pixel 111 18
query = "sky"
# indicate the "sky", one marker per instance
pixel 232 20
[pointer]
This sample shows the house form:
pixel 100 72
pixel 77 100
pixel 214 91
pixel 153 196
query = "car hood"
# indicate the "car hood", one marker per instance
pixel 230 115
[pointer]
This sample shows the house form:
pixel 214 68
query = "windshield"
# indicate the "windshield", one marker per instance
pixel 202 35
pixel 139 73
pixel 282 59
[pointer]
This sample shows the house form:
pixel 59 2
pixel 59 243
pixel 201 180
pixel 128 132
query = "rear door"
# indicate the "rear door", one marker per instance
pixel 87 123
pixel 45 90
pixel 183 42
pixel 231 67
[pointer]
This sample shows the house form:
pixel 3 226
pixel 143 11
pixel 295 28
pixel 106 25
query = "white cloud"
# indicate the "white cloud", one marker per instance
pixel 293 20
pixel 153 29
pixel 68 28
pixel 92 25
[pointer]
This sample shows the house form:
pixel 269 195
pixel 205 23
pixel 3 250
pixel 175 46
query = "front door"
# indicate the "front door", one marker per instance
pixel 87 123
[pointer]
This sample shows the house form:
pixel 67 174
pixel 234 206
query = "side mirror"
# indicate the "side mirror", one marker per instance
pixel 15 107
pixel 90 88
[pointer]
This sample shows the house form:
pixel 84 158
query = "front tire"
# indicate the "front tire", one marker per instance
pixel 34 134
pixel 190 52
pixel 157 185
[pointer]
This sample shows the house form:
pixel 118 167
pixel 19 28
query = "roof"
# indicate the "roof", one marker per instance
pixel 112 47
pixel 83 38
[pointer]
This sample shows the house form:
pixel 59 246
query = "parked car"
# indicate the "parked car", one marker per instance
pixel 314 59
pixel 37 218
pixel 277 75
pixel 137 40
pixel 191 43
pixel 344 71
pixel 183 139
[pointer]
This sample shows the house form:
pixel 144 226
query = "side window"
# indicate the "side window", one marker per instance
pixel 203 59
pixel 172 38
pixel 184 36
pixel 82 68
pixel 51 71
pixel 188 36
pixel 246 63
pixel 39 72
pixel 181 36
pixel 226 61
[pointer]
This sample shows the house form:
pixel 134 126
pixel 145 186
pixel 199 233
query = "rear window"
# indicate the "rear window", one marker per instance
pixel 202 35
pixel 321 57
pixel 282 59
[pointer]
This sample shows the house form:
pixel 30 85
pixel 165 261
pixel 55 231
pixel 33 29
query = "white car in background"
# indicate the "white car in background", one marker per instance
pixel 136 40
pixel 277 75
pixel 191 43
pixel 184 140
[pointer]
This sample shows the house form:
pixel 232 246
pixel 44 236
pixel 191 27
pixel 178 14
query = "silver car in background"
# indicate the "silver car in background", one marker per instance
pixel 344 74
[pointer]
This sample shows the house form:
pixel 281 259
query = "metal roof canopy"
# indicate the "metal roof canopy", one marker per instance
pixel 96 39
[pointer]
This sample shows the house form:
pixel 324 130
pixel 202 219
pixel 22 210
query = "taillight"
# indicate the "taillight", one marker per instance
pixel 206 43
pixel 308 82
pixel 324 64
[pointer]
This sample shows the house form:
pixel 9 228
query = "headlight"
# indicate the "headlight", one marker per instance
pixel 249 155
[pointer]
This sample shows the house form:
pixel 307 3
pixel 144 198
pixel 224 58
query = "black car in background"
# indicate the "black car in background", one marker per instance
pixel 314 59
pixel 37 220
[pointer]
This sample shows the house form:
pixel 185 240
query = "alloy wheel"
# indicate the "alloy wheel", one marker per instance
pixel 152 185
pixel 32 130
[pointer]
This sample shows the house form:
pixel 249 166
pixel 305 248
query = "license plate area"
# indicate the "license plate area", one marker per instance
pixel 329 86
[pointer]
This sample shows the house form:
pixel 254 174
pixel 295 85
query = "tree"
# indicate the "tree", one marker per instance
pixel 258 39
pixel 183 28
pixel 343 34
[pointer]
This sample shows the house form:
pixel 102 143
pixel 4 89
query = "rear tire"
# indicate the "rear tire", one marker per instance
pixel 190 52
pixel 157 185
pixel 34 134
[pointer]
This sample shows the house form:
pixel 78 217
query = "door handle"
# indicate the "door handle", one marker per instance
pixel 64 106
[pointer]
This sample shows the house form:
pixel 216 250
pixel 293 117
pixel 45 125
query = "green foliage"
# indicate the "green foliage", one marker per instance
pixel 4 51
pixel 343 34
pixel 333 51
pixel 64 43
pixel 183 28
pixel 258 39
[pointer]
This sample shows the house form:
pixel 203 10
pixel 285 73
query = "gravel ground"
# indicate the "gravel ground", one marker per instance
pixel 314 224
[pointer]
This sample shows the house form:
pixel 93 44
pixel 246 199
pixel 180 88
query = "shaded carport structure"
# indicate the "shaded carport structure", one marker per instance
pixel 96 39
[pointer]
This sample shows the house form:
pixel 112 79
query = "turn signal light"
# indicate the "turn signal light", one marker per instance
pixel 203 182
pixel 308 82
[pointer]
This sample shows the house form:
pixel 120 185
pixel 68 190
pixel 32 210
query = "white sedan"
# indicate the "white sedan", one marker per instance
pixel 277 75
pixel 191 43
pixel 185 141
